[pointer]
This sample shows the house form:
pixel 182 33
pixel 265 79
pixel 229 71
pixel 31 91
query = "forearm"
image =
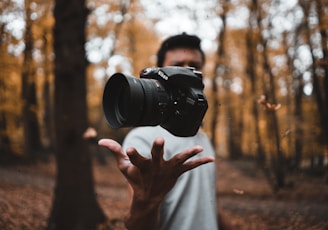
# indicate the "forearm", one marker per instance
pixel 143 215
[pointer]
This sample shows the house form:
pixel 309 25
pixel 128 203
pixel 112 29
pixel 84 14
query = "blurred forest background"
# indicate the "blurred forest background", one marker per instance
pixel 266 72
pixel 266 75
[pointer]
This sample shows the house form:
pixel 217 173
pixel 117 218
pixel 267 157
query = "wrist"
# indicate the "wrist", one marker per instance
pixel 145 204
pixel 144 214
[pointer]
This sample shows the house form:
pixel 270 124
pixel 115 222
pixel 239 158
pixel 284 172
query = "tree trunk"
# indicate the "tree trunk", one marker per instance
pixel 298 108
pixel 318 90
pixel 235 126
pixel 75 206
pixel 47 93
pixel 298 121
pixel 277 156
pixel 5 146
pixel 32 141
pixel 252 42
pixel 322 14
pixel 218 65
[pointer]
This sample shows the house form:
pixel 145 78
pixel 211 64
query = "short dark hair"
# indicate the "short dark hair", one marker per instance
pixel 179 41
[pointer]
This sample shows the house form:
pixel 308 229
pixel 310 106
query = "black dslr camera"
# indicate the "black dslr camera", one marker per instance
pixel 168 96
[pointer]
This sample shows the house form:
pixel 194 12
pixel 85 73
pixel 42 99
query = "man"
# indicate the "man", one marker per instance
pixel 173 184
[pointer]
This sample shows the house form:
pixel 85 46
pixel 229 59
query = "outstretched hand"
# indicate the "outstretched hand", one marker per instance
pixel 151 178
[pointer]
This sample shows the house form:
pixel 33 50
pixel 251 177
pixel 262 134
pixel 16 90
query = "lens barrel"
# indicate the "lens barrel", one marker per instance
pixel 130 101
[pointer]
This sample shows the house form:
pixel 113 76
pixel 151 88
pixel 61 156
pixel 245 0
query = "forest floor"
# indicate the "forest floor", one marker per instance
pixel 26 194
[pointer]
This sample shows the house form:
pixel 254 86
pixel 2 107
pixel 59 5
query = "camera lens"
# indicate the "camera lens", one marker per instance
pixel 122 95
pixel 130 101
pixel 121 106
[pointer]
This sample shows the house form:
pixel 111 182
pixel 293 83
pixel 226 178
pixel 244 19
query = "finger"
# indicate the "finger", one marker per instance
pixel 157 150
pixel 189 165
pixel 121 158
pixel 111 145
pixel 187 154
pixel 136 159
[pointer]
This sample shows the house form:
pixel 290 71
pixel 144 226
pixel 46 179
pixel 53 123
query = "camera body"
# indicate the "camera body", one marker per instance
pixel 171 97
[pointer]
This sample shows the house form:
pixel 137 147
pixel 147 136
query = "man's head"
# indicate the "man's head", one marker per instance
pixel 181 50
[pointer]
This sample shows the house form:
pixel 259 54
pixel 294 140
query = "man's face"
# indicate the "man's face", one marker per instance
pixel 184 57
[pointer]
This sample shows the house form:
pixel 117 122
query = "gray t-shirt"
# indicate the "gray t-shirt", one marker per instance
pixel 191 204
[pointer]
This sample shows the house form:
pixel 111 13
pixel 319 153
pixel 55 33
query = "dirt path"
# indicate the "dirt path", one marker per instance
pixel 246 196
pixel 26 194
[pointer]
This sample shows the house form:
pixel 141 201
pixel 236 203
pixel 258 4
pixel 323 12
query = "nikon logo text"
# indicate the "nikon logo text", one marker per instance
pixel 163 75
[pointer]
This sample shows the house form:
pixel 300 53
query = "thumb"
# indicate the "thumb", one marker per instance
pixel 111 145
pixel 121 158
